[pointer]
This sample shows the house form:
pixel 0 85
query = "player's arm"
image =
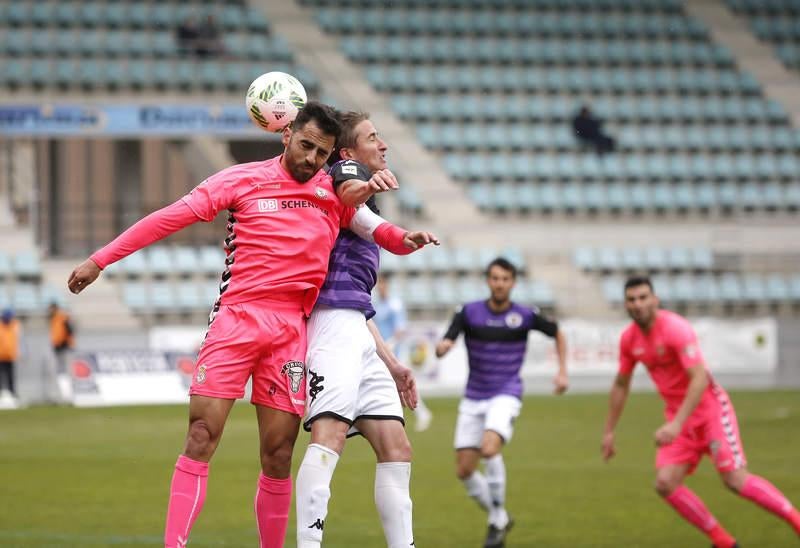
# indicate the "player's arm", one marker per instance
pixel 698 382
pixel 152 228
pixel 201 204
pixel 616 403
pixel 356 191
pixel 449 338
pixel 402 375
pixel 374 228
pixel 550 328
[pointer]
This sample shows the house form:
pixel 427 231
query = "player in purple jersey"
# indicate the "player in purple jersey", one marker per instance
pixel 355 383
pixel 496 335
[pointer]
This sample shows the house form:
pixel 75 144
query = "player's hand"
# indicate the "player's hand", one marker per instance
pixel 560 384
pixel 406 385
pixel 608 450
pixel 416 240
pixel 383 180
pixel 667 434
pixel 83 275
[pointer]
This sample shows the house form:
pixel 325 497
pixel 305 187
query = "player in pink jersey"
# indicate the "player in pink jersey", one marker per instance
pixel 284 217
pixel 700 417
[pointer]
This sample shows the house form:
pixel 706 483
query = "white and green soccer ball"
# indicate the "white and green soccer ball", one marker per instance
pixel 274 99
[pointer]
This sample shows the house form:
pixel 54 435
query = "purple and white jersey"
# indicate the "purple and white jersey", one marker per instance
pixel 353 265
pixel 496 344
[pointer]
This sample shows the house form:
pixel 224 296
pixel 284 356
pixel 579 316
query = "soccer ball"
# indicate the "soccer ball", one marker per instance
pixel 273 100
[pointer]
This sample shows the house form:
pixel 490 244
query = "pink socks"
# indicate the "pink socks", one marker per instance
pixel 689 505
pixel 187 492
pixel 768 496
pixel 273 498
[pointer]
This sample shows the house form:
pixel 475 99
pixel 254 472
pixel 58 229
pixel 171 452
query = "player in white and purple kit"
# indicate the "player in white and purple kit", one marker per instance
pixel 355 383
pixel 496 336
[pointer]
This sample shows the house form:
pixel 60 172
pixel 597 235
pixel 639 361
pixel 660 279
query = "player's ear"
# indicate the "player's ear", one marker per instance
pixel 345 154
pixel 286 134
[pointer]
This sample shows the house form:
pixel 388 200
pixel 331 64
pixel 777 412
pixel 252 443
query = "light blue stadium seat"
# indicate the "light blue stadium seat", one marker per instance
pixel 470 289
pixel 212 260
pixel 5 266
pixel 728 195
pixel 794 288
pixel 679 258
pixel 730 290
pixel 390 263
pixel 135 265
pixel 188 297
pixel 26 265
pixel 705 289
pixel 792 196
pixel 418 294
pixel 683 289
pixel 185 260
pixel 702 258
pixel 613 289
pixel 631 259
pixel 584 258
pixel 25 298
pixel 162 298
pixel 753 289
pixel 505 198
pixel 617 196
pixel 751 196
pixel 134 295
pixel 444 293
pixel 465 260
pixel 42 14
pixel 639 197
pixel 655 258
pixel 481 195
pixel 662 197
pixel 776 288
pixel 540 293
pixel 608 259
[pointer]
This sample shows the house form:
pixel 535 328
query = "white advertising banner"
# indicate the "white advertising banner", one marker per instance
pixel 729 346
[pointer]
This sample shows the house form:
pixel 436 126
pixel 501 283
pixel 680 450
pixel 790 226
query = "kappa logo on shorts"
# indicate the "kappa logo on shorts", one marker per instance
pixel 315 384
pixel 201 374
pixel 295 371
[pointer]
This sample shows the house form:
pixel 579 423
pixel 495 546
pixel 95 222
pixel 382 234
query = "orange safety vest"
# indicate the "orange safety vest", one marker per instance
pixel 9 341
pixel 60 333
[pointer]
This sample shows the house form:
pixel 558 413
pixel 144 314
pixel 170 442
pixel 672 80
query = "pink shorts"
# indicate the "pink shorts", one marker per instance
pixel 717 435
pixel 265 340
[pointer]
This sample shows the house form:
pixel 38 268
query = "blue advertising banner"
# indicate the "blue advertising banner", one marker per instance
pixel 128 120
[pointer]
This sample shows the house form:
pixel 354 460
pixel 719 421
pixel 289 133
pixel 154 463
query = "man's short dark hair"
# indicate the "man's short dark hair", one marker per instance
pixel 635 281
pixel 347 139
pixel 326 118
pixel 505 264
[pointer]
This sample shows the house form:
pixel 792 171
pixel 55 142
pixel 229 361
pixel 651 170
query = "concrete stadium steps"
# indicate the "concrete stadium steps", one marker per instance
pixel 99 307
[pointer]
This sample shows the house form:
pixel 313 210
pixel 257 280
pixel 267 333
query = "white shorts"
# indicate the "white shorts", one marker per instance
pixel 477 416
pixel 346 378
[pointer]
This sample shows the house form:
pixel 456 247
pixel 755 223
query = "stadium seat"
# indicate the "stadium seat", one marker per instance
pixel 5 266
pixel 26 265
pixel 25 298
pixel 134 295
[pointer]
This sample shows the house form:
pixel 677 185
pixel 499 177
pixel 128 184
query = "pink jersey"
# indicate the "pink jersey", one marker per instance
pixel 280 232
pixel 667 351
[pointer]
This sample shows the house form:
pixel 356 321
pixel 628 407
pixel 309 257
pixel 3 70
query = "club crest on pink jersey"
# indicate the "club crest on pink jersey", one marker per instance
pixel 201 374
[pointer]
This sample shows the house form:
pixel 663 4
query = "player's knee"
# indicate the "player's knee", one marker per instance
pixel 734 480
pixel 276 461
pixel 201 439
pixel 398 451
pixel 464 471
pixel 664 486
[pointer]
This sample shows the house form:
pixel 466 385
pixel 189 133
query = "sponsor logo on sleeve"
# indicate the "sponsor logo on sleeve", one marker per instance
pixel 350 170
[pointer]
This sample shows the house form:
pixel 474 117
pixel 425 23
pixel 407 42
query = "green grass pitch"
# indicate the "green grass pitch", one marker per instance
pixel 99 477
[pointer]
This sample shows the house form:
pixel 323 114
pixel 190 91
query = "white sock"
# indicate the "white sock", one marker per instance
pixel 393 501
pixel 478 488
pixel 313 489
pixel 496 478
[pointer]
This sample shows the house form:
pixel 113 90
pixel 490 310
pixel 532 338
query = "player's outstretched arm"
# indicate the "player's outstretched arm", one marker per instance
pixel 354 192
pixel 616 403
pixel 402 375
pixel 374 228
pixel 152 228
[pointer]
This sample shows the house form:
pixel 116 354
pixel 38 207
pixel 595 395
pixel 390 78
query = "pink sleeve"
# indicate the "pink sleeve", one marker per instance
pixel 152 228
pixel 626 360
pixel 683 341
pixel 211 196
pixel 390 238
pixel 347 216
